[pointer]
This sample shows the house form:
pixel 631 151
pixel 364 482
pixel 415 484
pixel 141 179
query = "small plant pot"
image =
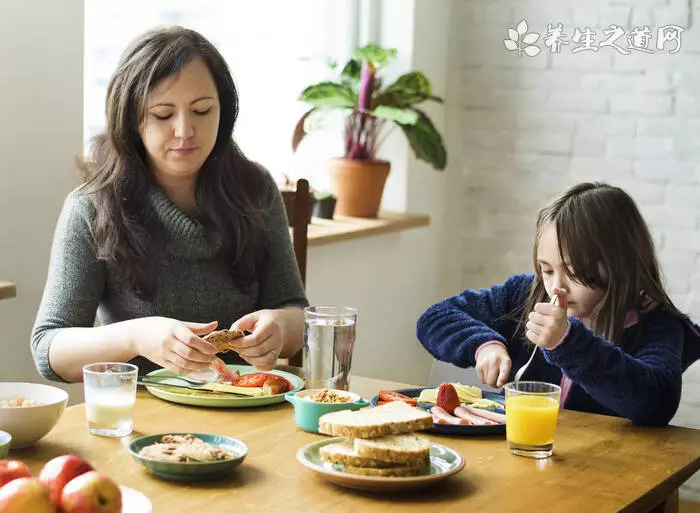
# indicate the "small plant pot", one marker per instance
pixel 324 207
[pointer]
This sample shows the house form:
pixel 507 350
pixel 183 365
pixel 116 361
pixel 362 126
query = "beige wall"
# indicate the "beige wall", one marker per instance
pixel 41 49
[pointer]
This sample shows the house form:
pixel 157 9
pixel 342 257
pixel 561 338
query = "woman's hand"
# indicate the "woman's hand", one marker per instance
pixel 548 323
pixel 173 344
pixel 493 365
pixel 273 333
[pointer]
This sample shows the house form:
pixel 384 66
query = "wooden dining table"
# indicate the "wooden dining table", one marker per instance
pixel 600 464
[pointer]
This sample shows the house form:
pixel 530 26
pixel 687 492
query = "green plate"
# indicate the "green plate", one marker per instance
pixel 444 462
pixel 213 399
pixel 190 470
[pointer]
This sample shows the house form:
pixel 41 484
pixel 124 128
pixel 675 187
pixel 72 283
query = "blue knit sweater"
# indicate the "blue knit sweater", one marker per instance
pixel 639 379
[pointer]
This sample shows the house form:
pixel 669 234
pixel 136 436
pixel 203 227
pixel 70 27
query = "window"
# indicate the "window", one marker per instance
pixel 274 49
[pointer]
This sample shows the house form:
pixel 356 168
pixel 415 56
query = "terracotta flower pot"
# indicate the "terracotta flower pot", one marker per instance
pixel 358 185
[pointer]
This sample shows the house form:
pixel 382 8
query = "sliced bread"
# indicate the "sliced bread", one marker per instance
pixel 398 449
pixel 392 418
pixel 222 339
pixel 402 471
pixel 345 453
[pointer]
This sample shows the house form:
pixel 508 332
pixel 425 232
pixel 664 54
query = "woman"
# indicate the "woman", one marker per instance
pixel 174 233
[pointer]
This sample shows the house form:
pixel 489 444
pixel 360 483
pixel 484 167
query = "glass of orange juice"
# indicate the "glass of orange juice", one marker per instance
pixel 110 394
pixel 532 408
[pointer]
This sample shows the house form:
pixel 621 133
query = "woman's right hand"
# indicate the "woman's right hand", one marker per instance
pixel 173 344
pixel 493 365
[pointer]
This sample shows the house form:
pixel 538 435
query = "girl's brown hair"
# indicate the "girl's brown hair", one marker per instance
pixel 607 245
pixel 229 187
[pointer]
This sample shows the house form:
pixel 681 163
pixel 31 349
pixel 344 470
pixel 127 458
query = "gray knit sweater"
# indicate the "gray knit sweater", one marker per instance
pixel 191 284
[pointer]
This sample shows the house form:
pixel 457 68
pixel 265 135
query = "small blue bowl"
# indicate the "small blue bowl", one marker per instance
pixel 190 469
pixel 307 411
pixel 5 440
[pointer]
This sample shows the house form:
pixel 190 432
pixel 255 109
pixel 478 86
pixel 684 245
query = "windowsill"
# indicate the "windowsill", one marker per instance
pixel 7 290
pixel 340 228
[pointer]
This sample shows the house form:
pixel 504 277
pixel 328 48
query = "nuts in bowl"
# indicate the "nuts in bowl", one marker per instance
pixel 309 405
pixel 28 411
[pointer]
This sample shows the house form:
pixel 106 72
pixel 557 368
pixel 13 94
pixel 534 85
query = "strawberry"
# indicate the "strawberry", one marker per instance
pixel 447 398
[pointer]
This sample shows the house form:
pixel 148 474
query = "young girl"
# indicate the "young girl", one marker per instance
pixel 613 340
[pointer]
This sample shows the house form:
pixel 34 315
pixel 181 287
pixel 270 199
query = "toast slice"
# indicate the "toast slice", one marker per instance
pixel 222 339
pixel 398 449
pixel 392 418
pixel 345 453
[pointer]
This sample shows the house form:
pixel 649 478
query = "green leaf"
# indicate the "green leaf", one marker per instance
pixel 329 95
pixel 299 132
pixel 409 89
pixel 351 73
pixel 426 142
pixel 400 116
pixel 377 55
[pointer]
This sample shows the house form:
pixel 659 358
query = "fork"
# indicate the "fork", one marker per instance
pixel 521 370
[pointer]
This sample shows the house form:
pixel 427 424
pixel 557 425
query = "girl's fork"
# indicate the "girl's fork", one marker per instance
pixel 522 369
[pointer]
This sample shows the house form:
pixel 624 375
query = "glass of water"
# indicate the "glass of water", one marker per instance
pixel 110 394
pixel 329 338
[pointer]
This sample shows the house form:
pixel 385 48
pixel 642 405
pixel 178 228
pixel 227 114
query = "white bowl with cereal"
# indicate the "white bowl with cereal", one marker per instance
pixel 28 411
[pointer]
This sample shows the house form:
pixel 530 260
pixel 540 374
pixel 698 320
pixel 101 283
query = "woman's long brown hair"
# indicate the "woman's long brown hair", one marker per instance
pixel 229 188
pixel 607 244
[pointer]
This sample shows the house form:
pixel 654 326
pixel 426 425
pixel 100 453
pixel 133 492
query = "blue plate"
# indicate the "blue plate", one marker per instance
pixel 455 429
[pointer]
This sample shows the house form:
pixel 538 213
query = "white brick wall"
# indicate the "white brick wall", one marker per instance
pixel 534 126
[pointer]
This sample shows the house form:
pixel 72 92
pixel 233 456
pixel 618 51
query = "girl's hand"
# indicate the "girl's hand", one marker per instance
pixel 493 365
pixel 173 344
pixel 265 343
pixel 547 323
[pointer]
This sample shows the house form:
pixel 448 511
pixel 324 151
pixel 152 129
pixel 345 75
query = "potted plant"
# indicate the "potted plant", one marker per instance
pixel 324 207
pixel 359 176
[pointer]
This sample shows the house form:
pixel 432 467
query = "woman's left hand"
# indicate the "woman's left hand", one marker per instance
pixel 548 323
pixel 269 332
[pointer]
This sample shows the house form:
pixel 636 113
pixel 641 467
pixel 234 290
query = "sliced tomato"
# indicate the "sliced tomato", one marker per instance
pixel 388 395
pixel 254 380
pixel 380 402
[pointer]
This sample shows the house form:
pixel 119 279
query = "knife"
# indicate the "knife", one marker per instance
pixel 147 383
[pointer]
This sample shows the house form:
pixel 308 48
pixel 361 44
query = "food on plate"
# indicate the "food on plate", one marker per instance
pixel 386 396
pixel 447 398
pixel 392 418
pixel 327 395
pixel 222 339
pixel 254 383
pixel 466 394
pixel 59 471
pixel 17 402
pixel 467 415
pixel 13 469
pixel 91 492
pixel 380 440
pixel 25 495
pixel 184 448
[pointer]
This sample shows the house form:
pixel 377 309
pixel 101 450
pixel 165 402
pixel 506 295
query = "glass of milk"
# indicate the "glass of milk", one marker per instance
pixel 110 393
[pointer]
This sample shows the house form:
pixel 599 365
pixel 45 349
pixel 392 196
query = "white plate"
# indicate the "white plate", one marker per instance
pixel 134 501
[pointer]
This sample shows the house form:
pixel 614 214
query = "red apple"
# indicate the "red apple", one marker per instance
pixel 13 469
pixel 24 495
pixel 91 492
pixel 59 471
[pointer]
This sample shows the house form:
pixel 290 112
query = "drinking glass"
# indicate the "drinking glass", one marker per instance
pixel 110 393
pixel 532 408
pixel 329 339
